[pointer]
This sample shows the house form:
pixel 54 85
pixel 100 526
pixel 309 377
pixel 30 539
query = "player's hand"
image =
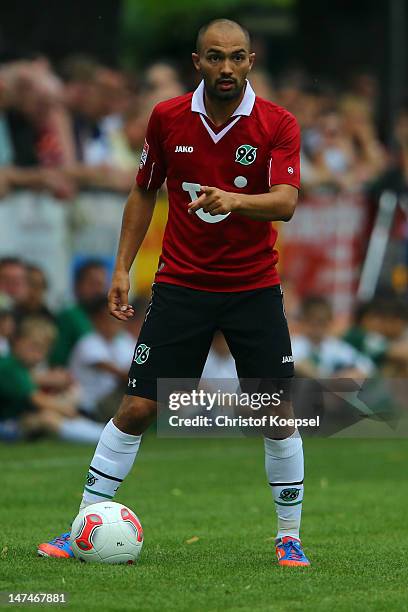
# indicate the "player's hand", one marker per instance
pixel 118 297
pixel 214 201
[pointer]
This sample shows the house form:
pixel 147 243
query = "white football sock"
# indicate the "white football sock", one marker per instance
pixel 285 473
pixel 111 463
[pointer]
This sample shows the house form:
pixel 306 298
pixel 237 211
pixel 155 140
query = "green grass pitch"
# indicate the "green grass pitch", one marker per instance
pixel 209 524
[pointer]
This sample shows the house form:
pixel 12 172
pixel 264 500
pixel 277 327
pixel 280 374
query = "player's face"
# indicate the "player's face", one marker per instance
pixel 224 62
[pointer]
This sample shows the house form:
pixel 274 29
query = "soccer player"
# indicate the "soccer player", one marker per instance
pixel 231 161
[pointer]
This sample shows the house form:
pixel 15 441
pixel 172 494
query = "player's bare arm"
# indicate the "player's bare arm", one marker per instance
pixel 135 223
pixel 277 205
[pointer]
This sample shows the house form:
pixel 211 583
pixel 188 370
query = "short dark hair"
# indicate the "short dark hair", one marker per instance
pixel 315 301
pixel 83 269
pixel 391 307
pixel 222 22
pixel 11 261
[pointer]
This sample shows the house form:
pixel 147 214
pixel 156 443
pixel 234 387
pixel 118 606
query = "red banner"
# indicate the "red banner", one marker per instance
pixel 323 245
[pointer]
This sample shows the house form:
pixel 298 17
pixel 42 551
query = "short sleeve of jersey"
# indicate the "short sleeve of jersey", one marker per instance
pixel 152 168
pixel 284 163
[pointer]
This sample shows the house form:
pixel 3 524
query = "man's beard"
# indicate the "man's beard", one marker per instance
pixel 217 94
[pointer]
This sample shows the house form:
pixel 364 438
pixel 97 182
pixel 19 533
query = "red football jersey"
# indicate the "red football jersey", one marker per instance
pixel 257 148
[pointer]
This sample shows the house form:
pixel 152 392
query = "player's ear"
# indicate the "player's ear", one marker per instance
pixel 196 60
pixel 251 60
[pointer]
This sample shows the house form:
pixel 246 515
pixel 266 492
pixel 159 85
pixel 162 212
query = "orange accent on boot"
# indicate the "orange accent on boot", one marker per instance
pixel 48 550
pixel 293 563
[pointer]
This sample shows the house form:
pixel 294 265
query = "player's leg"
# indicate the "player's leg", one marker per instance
pixel 117 449
pixel 255 327
pixel 112 461
pixel 174 342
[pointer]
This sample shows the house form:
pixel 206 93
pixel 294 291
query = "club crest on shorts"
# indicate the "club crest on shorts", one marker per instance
pixel 245 154
pixel 142 354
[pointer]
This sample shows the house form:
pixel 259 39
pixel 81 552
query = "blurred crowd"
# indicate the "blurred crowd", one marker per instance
pixel 81 125
pixel 64 373
pixel 61 373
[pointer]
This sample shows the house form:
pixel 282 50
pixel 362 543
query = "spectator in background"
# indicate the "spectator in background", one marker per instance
pixel 14 280
pixel 161 82
pixel 126 138
pixel 7 325
pixel 127 142
pixel 40 101
pixel 26 409
pixel 25 286
pixel 111 102
pixel 380 330
pixel 317 353
pixel 344 152
pixel 34 304
pixel 395 177
pixel 91 281
pixel 11 175
pixel 289 90
pixel 82 99
pixel 364 85
pixel 35 128
pixel 358 124
pixel 100 362
pixel 97 97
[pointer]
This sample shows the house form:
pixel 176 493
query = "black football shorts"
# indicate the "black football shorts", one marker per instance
pixel 179 327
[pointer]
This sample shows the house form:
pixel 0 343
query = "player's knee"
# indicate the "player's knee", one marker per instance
pixel 135 414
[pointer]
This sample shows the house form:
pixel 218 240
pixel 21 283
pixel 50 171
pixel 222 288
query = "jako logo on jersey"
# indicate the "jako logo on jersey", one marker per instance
pixel 287 359
pixel 290 170
pixel 183 149
pixel 132 382
pixel 144 154
pixel 245 154
pixel 142 354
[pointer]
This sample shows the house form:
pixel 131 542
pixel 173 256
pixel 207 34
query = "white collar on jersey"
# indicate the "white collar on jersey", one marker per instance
pixel 245 108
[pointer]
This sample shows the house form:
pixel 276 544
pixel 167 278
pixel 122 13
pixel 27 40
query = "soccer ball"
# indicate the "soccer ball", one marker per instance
pixel 107 532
